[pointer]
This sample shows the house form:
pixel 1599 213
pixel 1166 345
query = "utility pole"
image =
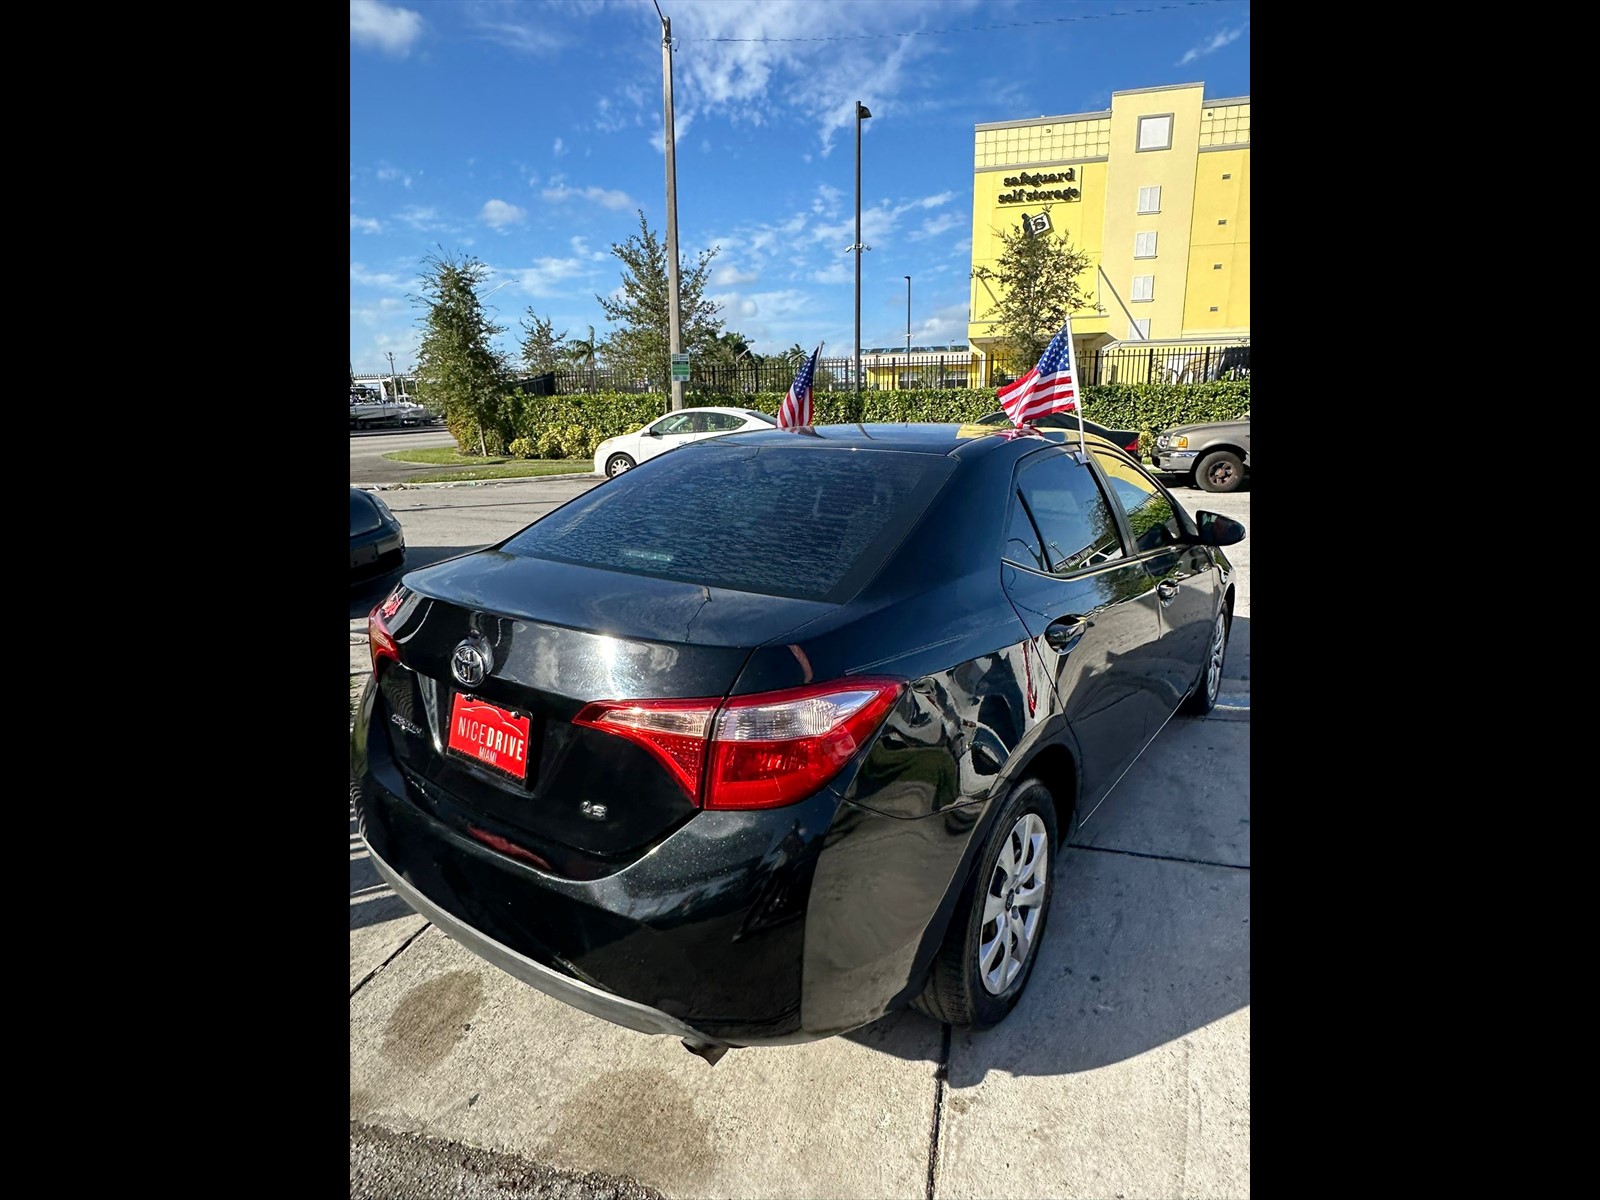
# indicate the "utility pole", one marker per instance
pixel 908 320
pixel 862 114
pixel 394 386
pixel 674 317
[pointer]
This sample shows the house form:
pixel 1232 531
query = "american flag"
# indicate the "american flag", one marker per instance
pixel 795 411
pixel 1048 388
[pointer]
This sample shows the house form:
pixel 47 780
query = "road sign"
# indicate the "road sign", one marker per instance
pixel 680 367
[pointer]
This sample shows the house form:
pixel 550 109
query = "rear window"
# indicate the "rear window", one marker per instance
pixel 811 522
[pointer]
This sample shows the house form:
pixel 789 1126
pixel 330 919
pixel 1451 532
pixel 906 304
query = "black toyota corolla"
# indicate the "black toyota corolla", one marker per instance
pixel 773 735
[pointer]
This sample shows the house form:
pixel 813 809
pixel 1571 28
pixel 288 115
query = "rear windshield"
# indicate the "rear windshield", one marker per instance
pixel 812 522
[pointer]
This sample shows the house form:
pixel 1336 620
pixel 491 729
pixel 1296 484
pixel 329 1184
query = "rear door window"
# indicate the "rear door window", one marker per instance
pixel 810 522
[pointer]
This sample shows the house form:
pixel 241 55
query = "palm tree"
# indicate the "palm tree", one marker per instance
pixel 582 353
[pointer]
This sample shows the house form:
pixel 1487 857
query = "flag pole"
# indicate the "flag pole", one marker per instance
pixel 1077 384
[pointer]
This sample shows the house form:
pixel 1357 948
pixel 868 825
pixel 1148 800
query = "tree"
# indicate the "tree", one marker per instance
pixel 726 349
pixel 460 373
pixel 581 352
pixel 642 346
pixel 543 349
pixel 1037 278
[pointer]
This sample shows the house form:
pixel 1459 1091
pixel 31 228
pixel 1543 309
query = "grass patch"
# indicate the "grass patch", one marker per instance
pixel 513 469
pixel 445 456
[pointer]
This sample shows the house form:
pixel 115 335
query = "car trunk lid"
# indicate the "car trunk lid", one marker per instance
pixel 496 653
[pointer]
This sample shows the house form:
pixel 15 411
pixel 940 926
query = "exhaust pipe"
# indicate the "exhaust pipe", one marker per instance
pixel 712 1054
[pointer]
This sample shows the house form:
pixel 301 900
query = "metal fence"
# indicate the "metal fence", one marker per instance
pixel 1129 364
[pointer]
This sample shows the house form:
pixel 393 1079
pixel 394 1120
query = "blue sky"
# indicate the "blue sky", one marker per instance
pixel 528 134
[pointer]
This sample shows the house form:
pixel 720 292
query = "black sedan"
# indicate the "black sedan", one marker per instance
pixel 1128 439
pixel 377 543
pixel 778 733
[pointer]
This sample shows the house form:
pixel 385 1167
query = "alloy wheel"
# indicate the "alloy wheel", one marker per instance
pixel 1014 904
pixel 1219 642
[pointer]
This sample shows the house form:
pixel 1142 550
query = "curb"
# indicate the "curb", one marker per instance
pixel 472 482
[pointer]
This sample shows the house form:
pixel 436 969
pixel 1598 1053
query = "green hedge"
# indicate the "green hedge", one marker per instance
pixel 572 426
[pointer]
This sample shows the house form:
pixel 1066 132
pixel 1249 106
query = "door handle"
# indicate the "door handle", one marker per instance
pixel 1167 591
pixel 1066 633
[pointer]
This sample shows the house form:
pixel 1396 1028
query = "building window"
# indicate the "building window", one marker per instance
pixel 1224 221
pixel 1213 308
pixel 1150 199
pixel 1144 245
pixel 1144 287
pixel 1227 175
pixel 1216 266
pixel 1155 133
pixel 1139 330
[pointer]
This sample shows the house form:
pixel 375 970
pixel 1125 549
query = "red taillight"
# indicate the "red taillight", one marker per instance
pixel 758 751
pixel 673 730
pixel 1133 447
pixel 380 643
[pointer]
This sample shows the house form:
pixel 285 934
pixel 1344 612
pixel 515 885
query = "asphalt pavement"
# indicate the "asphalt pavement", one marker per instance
pixel 1124 1071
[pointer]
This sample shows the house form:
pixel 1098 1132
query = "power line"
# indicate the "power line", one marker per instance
pixel 859 37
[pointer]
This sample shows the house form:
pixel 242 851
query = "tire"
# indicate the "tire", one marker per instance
pixel 1204 696
pixel 957 991
pixel 617 464
pixel 1219 471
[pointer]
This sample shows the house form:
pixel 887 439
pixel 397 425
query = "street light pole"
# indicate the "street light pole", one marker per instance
pixel 862 114
pixel 908 320
pixel 394 386
pixel 674 318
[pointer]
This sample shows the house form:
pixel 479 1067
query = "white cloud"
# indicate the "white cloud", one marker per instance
pixel 935 226
pixel 543 278
pixel 753 82
pixel 1217 42
pixel 389 174
pixel 604 197
pixel 560 148
pixel 378 279
pixel 537 35
pixel 580 247
pixel 422 219
pixel 843 271
pixel 731 276
pixel 365 224
pixel 500 214
pixel 384 27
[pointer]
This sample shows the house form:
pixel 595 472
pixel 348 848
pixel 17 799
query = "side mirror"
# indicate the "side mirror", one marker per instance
pixel 653 432
pixel 1218 530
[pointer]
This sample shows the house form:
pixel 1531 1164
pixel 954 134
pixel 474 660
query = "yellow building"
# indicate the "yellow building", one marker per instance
pixel 1156 189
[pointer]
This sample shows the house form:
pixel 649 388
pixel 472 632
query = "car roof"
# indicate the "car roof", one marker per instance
pixel 917 437
pixel 742 412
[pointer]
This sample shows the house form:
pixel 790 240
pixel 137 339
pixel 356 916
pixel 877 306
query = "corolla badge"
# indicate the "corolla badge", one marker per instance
pixel 471 661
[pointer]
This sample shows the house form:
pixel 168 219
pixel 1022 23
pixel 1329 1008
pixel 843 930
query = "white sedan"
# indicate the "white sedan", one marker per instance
pixel 616 455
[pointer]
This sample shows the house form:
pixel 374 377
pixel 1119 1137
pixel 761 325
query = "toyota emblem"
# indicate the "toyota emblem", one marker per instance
pixel 470 662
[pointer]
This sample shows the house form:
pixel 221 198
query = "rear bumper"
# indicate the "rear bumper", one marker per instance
pixel 578 994
pixel 701 937
pixel 377 552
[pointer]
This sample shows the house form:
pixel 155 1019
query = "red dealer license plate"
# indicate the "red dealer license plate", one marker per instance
pixel 489 735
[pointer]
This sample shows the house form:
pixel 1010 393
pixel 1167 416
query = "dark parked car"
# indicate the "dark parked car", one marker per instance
pixel 1215 455
pixel 377 543
pixel 1128 439
pixel 770 736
